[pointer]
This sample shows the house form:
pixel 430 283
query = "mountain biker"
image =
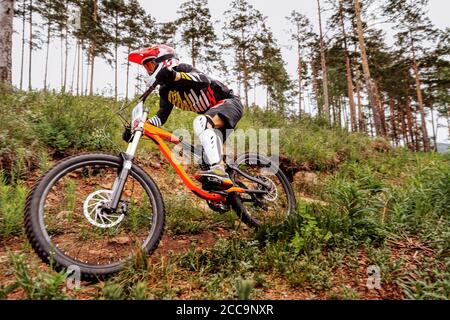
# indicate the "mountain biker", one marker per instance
pixel 187 88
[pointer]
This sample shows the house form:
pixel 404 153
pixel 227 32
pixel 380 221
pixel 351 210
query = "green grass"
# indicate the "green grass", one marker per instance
pixel 36 284
pixel 12 199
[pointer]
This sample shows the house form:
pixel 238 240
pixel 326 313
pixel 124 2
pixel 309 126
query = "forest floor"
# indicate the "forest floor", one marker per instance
pixel 350 279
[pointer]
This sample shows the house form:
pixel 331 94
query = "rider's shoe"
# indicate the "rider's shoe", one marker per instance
pixel 215 178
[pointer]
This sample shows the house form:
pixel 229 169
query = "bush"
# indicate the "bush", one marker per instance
pixel 77 122
pixel 41 285
pixel 32 121
pixel 423 206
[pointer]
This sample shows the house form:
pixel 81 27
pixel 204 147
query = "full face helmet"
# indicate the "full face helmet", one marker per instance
pixel 152 56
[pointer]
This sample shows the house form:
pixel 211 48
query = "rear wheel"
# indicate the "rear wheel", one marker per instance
pixel 271 208
pixel 67 223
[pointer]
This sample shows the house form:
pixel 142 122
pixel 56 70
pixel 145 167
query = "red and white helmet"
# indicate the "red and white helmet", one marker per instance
pixel 152 56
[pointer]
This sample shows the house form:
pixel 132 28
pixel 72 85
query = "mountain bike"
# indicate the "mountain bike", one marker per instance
pixel 96 211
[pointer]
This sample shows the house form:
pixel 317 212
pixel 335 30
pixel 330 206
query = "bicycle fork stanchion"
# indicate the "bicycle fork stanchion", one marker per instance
pixel 128 156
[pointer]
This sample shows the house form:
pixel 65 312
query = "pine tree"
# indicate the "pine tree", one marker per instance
pixel 342 9
pixel 33 37
pixel 54 14
pixel 114 12
pixel 243 23
pixel 93 35
pixel 197 31
pixel 270 69
pixel 315 65
pixel 414 29
pixel 370 84
pixel 301 34
pixel 134 18
pixel 326 104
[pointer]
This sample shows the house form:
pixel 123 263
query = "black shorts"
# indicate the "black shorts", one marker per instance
pixel 230 111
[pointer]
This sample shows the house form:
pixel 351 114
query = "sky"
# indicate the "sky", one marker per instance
pixel 275 11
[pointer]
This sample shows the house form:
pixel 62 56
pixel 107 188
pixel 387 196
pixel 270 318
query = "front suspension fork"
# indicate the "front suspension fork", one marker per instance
pixel 128 157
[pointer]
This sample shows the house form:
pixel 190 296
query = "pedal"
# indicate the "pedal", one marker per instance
pixel 213 184
pixel 218 207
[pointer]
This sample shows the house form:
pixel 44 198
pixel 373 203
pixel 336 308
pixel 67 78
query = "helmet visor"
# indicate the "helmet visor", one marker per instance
pixel 150 66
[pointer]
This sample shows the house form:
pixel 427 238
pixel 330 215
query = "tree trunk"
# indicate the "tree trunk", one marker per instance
pixel 326 106
pixel 300 79
pixel 370 122
pixel 351 101
pixel 66 55
pixel 115 54
pixel 393 121
pixel 246 88
pixel 193 52
pixel 448 121
pixel 82 68
pixel 6 31
pixel 115 70
pixel 434 127
pixel 245 77
pixel 61 59
pixel 417 132
pixel 128 76
pixel 78 66
pixel 23 47
pixel 92 50
pixel 361 120
pixel 316 87
pixel 31 45
pixel 91 77
pixel 410 123
pixel 403 125
pixel 426 140
pixel 367 77
pixel 46 55
pixel 381 112
pixel 72 85
pixel 88 66
pixel 254 90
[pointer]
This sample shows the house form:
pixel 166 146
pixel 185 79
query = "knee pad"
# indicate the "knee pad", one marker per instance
pixel 211 142
pixel 201 123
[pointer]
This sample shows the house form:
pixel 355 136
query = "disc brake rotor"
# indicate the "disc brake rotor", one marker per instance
pixel 93 209
pixel 272 193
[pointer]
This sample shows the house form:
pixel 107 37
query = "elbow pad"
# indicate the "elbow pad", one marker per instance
pixel 156 121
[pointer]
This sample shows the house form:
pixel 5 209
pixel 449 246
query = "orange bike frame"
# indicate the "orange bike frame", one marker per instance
pixel 159 135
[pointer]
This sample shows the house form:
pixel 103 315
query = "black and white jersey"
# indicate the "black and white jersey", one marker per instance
pixel 194 91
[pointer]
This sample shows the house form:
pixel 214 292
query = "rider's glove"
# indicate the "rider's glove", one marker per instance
pixel 156 121
pixel 127 135
pixel 166 75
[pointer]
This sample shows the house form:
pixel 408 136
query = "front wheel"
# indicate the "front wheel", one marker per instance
pixel 256 210
pixel 67 224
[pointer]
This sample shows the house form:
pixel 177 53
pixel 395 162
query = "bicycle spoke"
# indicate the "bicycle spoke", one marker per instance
pixel 77 236
pixel 272 207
